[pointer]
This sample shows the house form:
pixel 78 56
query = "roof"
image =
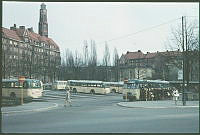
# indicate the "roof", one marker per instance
pixel 170 53
pixel 19 33
pixel 134 55
pixel 148 55
pixel 11 34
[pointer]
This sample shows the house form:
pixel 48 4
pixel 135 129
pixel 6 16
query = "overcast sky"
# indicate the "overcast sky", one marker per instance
pixel 70 23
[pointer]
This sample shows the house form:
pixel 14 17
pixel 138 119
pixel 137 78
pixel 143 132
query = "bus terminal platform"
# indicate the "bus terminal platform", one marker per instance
pixel 158 104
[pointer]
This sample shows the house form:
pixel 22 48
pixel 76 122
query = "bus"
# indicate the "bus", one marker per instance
pixel 31 88
pixel 132 88
pixel 160 89
pixel 147 90
pixel 115 87
pixel 59 85
pixel 47 86
pixel 88 86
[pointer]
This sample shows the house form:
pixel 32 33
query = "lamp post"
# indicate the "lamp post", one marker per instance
pixel 21 79
pixel 183 47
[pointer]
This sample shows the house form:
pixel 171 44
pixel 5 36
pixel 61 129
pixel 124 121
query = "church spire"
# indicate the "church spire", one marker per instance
pixel 43 25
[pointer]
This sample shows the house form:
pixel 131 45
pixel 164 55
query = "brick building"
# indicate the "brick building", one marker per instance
pixel 157 65
pixel 27 53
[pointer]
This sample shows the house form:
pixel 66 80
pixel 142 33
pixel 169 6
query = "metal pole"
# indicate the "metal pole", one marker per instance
pixel 22 94
pixel 183 87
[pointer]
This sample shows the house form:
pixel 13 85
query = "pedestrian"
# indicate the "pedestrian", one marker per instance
pixel 152 96
pixel 67 97
pixel 168 95
pixel 175 96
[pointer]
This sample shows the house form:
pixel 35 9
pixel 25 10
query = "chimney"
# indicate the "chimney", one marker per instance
pixel 127 52
pixel 157 51
pixel 13 27
pixel 30 29
pixel 22 27
pixel 148 52
pixel 139 50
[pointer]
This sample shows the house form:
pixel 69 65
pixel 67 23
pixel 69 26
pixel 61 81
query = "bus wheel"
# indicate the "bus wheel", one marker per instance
pixel 92 91
pixel 113 91
pixel 74 90
pixel 12 95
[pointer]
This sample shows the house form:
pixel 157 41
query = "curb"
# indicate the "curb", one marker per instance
pixel 156 107
pixel 37 110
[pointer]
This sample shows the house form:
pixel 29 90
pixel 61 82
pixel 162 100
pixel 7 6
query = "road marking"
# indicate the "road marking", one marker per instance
pixel 38 109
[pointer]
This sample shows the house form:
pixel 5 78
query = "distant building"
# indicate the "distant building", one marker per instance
pixel 135 65
pixel 30 54
pixel 158 65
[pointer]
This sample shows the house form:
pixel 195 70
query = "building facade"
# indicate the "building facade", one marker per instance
pixel 158 65
pixel 26 53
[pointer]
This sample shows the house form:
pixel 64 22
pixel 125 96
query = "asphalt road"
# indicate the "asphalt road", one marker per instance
pixel 100 114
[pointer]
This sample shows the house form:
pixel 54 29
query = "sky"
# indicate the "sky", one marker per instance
pixel 126 26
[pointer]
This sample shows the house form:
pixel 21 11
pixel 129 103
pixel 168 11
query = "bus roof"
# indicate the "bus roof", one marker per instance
pixel 119 83
pixel 179 82
pixel 146 81
pixel 157 81
pixel 85 81
pixel 60 81
pixel 16 80
pixel 136 81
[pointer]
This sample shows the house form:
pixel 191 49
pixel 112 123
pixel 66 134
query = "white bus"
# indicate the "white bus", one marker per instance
pixel 115 87
pixel 147 90
pixel 59 85
pixel 88 86
pixel 31 88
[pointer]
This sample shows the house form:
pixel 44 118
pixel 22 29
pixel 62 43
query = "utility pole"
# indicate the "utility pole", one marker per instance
pixel 183 87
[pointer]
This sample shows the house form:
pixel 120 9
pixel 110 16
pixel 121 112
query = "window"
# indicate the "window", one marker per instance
pixel 11 42
pixel 4 40
pixel 15 43
pixel 26 39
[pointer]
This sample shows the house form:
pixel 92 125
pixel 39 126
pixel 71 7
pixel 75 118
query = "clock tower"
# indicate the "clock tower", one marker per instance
pixel 43 25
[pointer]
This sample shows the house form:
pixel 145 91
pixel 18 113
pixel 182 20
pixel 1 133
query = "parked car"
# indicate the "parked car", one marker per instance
pixel 47 86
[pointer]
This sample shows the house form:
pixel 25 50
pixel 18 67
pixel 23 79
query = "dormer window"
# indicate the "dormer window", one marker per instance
pixel 26 39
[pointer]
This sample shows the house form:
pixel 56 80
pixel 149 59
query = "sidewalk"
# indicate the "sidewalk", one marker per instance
pixel 29 107
pixel 158 104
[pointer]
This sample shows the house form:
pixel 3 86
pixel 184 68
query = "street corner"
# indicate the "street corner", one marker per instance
pixel 156 104
pixel 29 108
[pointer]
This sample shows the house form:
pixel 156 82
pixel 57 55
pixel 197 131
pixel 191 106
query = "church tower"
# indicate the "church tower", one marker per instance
pixel 43 25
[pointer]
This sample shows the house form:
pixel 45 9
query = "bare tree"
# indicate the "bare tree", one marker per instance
pixel 189 41
pixel 85 52
pixel 93 54
pixel 106 57
pixel 92 63
pixel 106 61
pixel 116 64
pixel 115 57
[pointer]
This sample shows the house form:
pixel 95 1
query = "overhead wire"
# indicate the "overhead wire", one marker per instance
pixel 143 30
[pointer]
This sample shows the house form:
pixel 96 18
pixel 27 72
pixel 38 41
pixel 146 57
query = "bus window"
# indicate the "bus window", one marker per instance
pixel 17 85
pixel 3 85
pixel 25 85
